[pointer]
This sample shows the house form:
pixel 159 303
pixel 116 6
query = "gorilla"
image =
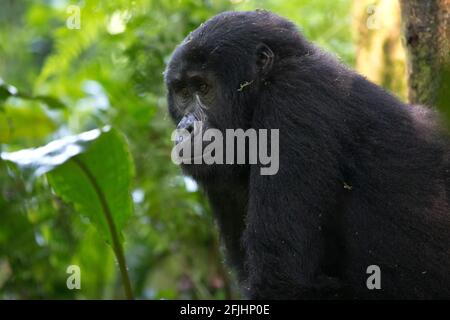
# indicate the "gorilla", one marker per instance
pixel 363 178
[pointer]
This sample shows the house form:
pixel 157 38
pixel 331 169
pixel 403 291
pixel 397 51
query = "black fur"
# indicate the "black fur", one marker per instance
pixel 363 178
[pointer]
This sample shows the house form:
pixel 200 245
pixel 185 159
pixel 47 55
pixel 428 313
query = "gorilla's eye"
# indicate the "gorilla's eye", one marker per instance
pixel 203 88
pixel 184 92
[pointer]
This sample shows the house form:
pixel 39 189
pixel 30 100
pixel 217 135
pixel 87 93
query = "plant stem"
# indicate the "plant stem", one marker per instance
pixel 116 245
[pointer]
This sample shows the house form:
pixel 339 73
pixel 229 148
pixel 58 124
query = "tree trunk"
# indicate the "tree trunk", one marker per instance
pixel 426 26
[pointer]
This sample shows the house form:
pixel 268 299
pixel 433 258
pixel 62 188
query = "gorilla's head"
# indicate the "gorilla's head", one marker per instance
pixel 217 74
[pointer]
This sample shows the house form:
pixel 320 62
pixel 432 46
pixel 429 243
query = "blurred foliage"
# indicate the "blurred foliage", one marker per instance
pixel 109 72
pixel 380 55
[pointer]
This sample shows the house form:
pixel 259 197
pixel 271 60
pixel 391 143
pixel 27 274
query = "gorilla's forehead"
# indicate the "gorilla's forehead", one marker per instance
pixel 232 30
pixel 191 53
pixel 230 37
pixel 187 58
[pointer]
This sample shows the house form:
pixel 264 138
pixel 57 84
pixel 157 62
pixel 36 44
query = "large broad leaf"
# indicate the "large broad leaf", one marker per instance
pixel 92 170
pixel 98 180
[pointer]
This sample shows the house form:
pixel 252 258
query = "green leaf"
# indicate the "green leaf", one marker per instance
pixel 93 171
pixel 107 168
pixel 82 166
pixel 37 161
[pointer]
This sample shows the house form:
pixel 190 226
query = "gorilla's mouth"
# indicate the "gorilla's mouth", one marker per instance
pixel 195 142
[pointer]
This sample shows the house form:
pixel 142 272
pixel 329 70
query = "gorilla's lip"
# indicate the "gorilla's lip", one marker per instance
pixel 197 134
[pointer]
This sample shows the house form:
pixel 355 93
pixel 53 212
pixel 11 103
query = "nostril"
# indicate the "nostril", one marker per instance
pixel 190 127
pixel 187 123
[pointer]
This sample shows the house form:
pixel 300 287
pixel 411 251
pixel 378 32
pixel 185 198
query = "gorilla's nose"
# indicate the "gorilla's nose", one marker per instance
pixel 187 123
pixel 186 128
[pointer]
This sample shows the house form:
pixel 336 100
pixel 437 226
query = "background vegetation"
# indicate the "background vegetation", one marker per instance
pixel 109 72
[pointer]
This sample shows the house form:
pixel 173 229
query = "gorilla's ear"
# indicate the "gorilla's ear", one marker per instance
pixel 264 58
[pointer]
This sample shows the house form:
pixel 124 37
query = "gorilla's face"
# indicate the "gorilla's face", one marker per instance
pixel 193 91
pixel 200 92
pixel 206 86
pixel 217 77
pixel 195 101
